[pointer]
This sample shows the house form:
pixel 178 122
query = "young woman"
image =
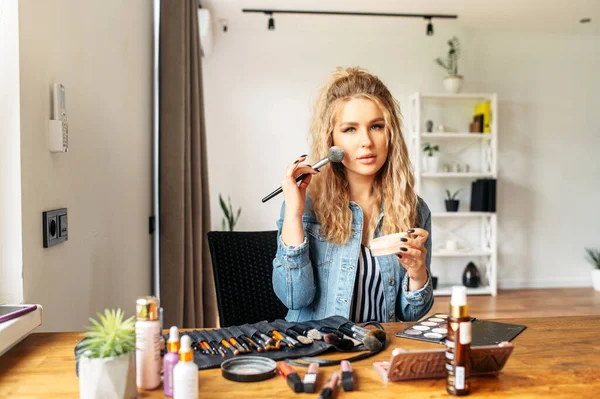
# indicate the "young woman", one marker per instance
pixel 323 265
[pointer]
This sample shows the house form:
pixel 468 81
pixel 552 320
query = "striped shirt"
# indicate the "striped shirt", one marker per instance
pixel 367 301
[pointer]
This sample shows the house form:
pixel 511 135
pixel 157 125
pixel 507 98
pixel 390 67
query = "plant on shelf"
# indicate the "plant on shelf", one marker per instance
pixel 106 364
pixel 431 162
pixel 229 219
pixel 452 201
pixel 453 81
pixel 593 256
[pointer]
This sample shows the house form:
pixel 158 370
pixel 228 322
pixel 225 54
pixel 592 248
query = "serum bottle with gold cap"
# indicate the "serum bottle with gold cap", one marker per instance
pixel 147 336
pixel 458 344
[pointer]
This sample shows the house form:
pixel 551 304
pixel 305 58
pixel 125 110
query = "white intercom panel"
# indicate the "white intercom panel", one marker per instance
pixel 58 127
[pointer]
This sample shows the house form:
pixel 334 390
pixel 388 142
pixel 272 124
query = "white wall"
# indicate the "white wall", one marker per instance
pixel 549 169
pixel 102 52
pixel 260 86
pixel 11 262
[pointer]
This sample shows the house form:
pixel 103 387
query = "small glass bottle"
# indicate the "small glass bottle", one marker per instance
pixel 458 344
pixel 185 373
pixel 147 337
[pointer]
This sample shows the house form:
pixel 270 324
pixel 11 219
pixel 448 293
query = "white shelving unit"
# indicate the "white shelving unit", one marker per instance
pixel 475 232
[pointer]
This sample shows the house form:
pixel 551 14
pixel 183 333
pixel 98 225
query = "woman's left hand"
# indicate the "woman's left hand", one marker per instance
pixel 412 255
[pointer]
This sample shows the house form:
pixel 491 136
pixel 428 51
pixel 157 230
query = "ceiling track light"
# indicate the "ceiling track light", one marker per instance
pixel 271 24
pixel 429 30
pixel 428 17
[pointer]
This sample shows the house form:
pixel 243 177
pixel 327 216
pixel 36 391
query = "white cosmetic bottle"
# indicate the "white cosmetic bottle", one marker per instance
pixel 147 337
pixel 185 373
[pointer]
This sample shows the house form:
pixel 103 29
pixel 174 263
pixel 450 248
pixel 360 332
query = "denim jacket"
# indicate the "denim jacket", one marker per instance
pixel 315 279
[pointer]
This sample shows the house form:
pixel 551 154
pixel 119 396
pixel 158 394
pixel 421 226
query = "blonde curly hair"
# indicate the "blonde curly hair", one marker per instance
pixel 394 183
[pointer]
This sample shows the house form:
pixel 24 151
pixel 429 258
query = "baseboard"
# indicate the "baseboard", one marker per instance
pixel 516 284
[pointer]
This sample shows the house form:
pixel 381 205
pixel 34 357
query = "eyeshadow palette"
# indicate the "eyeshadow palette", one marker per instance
pixel 435 329
pixel 431 329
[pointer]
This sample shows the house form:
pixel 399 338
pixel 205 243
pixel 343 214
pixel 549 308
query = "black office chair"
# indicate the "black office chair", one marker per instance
pixel 243 267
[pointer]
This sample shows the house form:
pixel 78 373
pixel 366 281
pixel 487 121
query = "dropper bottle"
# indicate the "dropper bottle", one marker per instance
pixel 185 373
pixel 458 344
pixel 170 360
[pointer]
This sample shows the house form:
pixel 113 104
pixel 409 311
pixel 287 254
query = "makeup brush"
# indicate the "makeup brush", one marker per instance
pixel 373 340
pixel 340 343
pixel 300 338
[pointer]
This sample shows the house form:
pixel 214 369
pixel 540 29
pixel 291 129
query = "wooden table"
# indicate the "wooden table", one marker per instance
pixel 557 357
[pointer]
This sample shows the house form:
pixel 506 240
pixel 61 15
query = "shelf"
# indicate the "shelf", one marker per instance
pixel 447 290
pixel 458 175
pixel 465 254
pixel 477 136
pixel 461 214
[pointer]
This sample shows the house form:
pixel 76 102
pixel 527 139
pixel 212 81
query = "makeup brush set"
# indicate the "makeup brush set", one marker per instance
pixel 281 339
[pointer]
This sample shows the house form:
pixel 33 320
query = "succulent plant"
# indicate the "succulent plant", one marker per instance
pixel 451 63
pixel 111 336
pixel 452 196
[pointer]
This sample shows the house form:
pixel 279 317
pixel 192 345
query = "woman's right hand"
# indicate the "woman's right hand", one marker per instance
pixel 295 195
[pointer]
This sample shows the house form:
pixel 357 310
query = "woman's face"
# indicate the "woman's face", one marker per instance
pixel 361 132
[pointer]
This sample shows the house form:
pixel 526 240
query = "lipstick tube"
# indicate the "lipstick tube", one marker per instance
pixel 292 378
pixel 330 386
pixel 310 378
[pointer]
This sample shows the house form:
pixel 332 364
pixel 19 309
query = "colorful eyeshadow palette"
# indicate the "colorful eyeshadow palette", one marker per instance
pixel 435 329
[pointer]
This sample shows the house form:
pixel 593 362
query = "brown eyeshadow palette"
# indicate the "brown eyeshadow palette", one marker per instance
pixel 435 329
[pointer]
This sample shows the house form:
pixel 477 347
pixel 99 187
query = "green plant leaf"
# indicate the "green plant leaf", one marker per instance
pixel 111 336
pixel 223 206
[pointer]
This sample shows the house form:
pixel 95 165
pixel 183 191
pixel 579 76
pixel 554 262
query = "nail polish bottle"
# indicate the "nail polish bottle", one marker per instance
pixel 458 344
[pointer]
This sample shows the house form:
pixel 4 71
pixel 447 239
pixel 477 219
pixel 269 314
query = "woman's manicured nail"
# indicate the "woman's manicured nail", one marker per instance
pixel 403 249
pixel 411 231
pixel 400 256
pixel 296 161
pixel 404 239
pixel 302 156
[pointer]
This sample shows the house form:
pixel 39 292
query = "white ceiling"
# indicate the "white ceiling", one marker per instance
pixel 548 16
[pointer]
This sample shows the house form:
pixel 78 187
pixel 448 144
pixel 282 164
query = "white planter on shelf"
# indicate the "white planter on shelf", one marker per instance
pixel 111 377
pixel 453 83
pixel 431 164
pixel 596 279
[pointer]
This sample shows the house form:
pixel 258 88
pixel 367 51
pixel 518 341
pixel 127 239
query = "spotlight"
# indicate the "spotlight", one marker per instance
pixel 429 28
pixel 271 22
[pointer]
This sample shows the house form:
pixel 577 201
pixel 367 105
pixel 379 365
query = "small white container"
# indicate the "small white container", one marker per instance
pixel 185 373
pixel 387 245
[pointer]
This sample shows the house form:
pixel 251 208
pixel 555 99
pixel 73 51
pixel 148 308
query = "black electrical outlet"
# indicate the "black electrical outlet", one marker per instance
pixel 55 227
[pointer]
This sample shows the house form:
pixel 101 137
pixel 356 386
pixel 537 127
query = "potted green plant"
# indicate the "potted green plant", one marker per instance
pixel 229 219
pixel 430 161
pixel 106 363
pixel 593 255
pixel 451 200
pixel 453 81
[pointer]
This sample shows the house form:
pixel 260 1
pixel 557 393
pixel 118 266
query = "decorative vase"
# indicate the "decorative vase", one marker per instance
pixel 471 277
pixel 429 126
pixel 452 205
pixel 453 83
pixel 431 163
pixel 110 377
pixel 596 279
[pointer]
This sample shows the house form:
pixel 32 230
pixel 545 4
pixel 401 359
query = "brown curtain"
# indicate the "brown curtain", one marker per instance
pixel 186 280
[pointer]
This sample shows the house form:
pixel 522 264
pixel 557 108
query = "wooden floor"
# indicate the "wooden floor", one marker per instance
pixel 529 303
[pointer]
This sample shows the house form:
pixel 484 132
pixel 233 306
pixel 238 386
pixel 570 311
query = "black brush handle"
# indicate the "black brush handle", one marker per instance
pixel 280 190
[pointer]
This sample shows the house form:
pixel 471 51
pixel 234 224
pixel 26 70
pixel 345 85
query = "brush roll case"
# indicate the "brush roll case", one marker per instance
pixel 330 324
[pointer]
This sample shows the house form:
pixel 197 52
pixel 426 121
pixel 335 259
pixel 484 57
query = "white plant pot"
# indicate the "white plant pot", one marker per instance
pixel 431 164
pixel 111 377
pixel 453 83
pixel 596 279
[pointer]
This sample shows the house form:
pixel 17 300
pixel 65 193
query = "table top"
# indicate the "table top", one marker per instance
pixel 558 357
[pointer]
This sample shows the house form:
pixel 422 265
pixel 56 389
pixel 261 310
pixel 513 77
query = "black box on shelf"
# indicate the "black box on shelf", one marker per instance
pixel 483 195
